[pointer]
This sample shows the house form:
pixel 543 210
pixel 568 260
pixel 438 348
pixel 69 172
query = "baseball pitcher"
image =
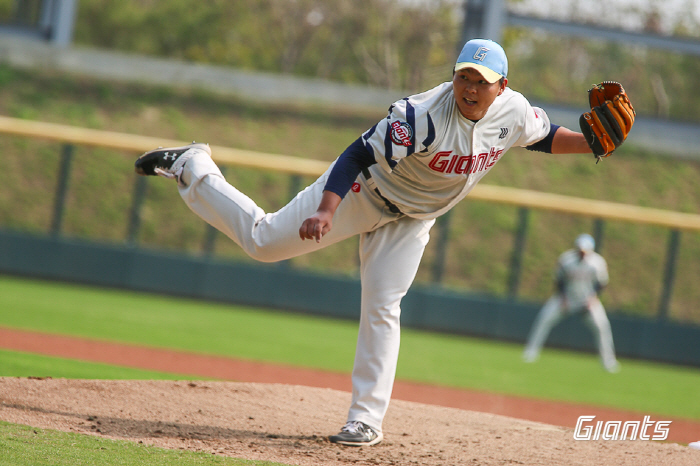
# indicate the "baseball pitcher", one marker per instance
pixel 388 186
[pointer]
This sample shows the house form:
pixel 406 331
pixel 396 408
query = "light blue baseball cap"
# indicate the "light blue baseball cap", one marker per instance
pixel 485 56
pixel 585 242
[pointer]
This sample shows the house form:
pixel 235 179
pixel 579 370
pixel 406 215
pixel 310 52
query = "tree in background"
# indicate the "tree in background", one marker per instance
pixel 386 43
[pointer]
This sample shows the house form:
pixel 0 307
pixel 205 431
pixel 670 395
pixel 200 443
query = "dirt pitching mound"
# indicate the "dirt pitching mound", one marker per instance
pixel 290 424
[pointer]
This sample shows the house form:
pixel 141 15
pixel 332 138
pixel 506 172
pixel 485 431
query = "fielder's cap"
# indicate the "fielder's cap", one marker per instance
pixel 585 242
pixel 485 56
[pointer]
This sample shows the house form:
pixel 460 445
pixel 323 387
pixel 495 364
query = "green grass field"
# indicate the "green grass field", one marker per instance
pixel 298 340
pixel 21 445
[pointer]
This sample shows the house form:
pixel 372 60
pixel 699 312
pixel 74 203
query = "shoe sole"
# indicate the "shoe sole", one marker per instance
pixel 200 146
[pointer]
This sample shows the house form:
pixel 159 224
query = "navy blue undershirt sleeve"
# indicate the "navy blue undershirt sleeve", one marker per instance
pixel 560 285
pixel 545 145
pixel 348 166
pixel 598 287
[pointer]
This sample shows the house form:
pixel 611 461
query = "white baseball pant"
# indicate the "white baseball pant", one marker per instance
pixel 554 310
pixel 391 248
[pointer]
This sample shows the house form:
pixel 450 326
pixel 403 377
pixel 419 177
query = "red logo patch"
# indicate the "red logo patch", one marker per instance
pixel 401 133
pixel 355 187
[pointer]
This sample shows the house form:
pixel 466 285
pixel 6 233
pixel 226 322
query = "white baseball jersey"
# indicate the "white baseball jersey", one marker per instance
pixel 429 156
pixel 581 275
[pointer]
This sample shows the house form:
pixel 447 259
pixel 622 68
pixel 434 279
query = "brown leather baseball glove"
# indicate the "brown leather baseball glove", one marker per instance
pixel 610 120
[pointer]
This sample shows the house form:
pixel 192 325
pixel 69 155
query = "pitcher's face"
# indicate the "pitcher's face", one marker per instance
pixel 474 95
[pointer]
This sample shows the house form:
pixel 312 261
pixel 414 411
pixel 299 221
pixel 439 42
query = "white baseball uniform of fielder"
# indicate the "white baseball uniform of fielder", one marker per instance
pixel 579 276
pixel 451 155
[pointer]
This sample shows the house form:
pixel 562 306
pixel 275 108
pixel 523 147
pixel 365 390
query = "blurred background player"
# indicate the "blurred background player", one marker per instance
pixel 581 275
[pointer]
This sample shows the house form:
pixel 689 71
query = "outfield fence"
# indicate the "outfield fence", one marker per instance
pixel 525 201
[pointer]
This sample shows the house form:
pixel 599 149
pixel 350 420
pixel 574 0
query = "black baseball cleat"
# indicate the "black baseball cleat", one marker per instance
pixel 357 434
pixel 167 162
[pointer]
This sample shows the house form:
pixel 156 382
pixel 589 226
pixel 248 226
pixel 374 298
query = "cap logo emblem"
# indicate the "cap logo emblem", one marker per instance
pixel 481 53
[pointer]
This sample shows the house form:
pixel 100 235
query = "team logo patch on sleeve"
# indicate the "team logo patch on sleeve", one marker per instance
pixel 401 133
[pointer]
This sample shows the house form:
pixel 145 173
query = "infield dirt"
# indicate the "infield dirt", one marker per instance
pixel 290 424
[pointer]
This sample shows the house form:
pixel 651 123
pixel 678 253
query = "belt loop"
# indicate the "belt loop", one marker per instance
pixel 392 207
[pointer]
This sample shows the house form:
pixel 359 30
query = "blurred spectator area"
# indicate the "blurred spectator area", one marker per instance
pixel 47 20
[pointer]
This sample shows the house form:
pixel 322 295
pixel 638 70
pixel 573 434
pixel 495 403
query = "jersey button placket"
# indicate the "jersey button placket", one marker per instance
pixel 473 148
